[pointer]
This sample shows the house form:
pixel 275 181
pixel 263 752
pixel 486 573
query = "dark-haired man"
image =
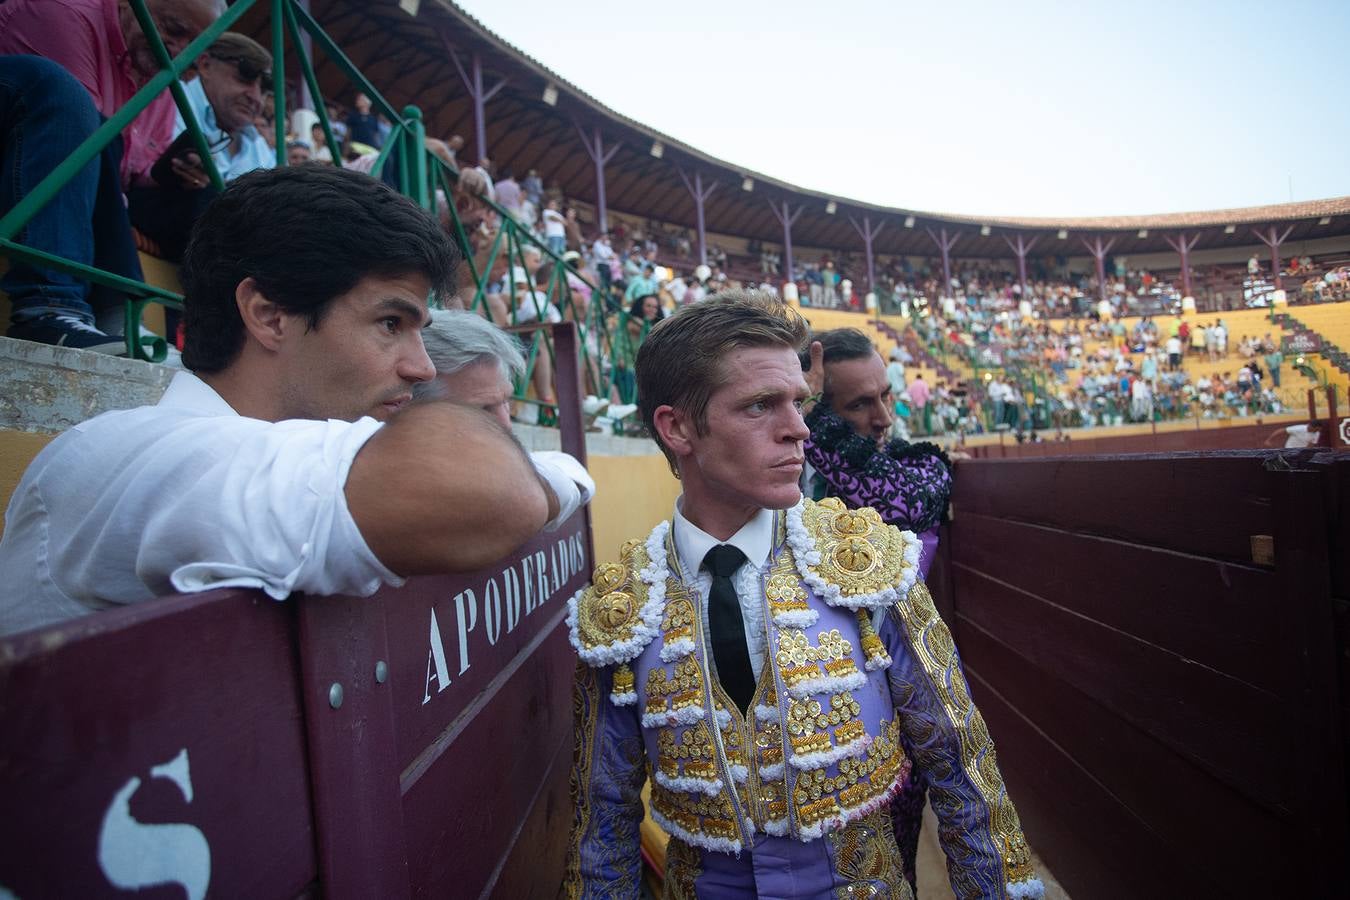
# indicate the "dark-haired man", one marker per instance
pixel 850 455
pixel 277 461
pixel 776 663
pixel 850 451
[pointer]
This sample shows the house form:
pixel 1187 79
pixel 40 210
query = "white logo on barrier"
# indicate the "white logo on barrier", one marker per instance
pixel 1345 431
pixel 135 855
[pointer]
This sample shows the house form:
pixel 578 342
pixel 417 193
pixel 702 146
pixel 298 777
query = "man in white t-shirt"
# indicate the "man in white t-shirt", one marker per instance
pixel 284 459
pixel 1297 436
pixel 1173 353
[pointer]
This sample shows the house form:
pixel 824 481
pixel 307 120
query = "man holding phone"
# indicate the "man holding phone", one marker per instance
pixel 226 97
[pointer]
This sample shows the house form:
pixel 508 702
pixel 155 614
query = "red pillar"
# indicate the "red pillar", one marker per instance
pixel 1273 241
pixel 595 149
pixel 868 234
pixel 473 83
pixel 700 195
pixel 1021 249
pixel 1099 250
pixel 945 244
pixel 788 219
pixel 1183 248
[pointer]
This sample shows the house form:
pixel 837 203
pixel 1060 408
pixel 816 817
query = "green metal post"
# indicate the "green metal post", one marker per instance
pixel 464 245
pixel 417 158
pixel 481 291
pixel 279 78
pixel 162 57
pixel 391 143
pixel 41 194
pixel 340 59
pixel 307 70
pixel 405 140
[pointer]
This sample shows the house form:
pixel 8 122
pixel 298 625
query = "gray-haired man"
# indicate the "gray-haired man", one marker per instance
pixel 476 364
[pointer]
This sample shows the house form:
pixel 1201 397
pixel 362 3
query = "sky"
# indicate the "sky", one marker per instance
pixel 1001 108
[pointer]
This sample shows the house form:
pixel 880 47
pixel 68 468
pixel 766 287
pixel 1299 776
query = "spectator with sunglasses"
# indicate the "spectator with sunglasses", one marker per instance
pixel 65 67
pixel 226 98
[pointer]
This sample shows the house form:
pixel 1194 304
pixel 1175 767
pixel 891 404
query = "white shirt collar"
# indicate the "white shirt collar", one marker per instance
pixel 754 539
pixel 190 392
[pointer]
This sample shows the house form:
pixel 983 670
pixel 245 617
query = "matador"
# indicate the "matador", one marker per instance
pixel 774 665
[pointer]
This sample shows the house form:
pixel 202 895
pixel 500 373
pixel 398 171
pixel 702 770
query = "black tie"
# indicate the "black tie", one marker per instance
pixel 727 627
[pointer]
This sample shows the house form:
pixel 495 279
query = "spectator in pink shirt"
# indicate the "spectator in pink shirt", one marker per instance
pixel 918 399
pixel 65 67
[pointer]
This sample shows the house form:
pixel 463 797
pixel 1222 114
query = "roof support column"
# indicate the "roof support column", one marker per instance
pixel 1098 249
pixel 788 219
pixel 1273 241
pixel 868 234
pixel 945 244
pixel 595 149
pixel 1021 248
pixel 473 83
pixel 700 195
pixel 1183 248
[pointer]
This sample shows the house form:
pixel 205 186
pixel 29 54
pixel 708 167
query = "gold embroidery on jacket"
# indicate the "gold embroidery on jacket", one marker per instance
pixel 691 754
pixel 783 588
pixel 858 552
pixel 674 692
pixel 610 609
pixel 867 856
pixel 860 780
pixel 696 813
pixel 931 642
pixel 678 623
pixel 682 870
pixel 585 712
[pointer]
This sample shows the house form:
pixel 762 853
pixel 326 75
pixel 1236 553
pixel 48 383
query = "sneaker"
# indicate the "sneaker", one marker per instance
pixel 622 411
pixel 154 348
pixel 593 406
pixel 67 330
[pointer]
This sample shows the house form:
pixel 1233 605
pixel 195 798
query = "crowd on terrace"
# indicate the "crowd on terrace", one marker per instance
pixel 634 273
pixel 1104 371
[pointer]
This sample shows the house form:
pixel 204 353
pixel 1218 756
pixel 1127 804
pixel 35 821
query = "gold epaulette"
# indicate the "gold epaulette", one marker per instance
pixel 855 560
pixel 608 620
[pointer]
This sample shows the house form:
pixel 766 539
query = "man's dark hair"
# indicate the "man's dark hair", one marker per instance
pixel 306 235
pixel 839 345
pixel 680 362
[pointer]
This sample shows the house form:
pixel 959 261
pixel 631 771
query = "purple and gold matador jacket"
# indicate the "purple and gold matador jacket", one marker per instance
pixel 791 800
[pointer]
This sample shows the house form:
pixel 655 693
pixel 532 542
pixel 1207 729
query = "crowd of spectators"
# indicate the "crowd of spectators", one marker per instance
pixel 1102 371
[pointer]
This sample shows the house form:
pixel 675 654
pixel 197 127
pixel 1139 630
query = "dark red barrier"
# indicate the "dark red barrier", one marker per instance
pixel 1150 638
pixel 161 744
pixel 416 743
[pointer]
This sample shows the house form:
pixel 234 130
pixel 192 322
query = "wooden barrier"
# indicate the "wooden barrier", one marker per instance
pixel 196 741
pixel 1236 437
pixel 1150 639
pixel 416 743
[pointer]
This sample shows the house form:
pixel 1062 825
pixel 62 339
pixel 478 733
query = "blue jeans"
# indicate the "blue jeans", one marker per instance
pixel 44 115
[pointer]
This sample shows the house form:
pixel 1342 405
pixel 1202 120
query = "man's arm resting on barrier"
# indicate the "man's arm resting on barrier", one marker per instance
pixel 442 488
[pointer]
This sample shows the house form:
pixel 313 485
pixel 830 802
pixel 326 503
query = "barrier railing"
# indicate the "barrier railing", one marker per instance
pixel 404 161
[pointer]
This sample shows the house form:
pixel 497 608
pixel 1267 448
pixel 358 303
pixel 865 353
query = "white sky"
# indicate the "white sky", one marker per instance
pixel 1013 108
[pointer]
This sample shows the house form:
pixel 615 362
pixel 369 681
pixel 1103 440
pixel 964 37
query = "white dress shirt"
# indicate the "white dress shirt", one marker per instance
pixel 755 540
pixel 183 496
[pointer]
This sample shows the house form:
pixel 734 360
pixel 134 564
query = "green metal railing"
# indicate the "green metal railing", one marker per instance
pixel 420 175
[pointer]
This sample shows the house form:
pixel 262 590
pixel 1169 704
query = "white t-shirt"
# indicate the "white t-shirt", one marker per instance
pixel 554 224
pixel 183 496
pixel 1301 436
